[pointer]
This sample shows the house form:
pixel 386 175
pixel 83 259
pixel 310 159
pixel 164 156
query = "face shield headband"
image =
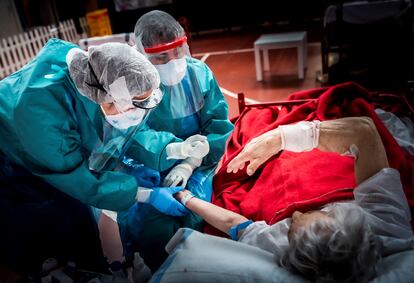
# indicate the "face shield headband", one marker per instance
pixel 166 46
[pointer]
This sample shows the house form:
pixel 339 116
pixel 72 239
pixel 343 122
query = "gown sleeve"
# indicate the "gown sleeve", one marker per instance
pixel 51 147
pixel 149 146
pixel 215 123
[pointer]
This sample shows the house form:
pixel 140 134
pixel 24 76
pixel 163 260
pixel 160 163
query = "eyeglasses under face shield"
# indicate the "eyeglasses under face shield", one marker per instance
pixel 124 101
pixel 149 102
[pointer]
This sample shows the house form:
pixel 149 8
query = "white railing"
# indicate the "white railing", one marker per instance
pixel 68 31
pixel 17 50
pixel 84 26
pixel 128 38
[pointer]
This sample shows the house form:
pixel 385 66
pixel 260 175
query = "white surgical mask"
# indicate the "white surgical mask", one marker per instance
pixel 126 119
pixel 172 72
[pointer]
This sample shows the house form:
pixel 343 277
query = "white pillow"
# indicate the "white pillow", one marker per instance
pixel 197 257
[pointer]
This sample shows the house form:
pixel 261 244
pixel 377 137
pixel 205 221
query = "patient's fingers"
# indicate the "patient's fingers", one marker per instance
pixel 238 162
pixel 252 167
pixel 233 167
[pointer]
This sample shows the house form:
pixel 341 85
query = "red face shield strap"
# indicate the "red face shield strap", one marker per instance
pixel 166 46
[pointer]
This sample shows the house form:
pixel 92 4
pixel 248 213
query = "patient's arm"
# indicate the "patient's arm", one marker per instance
pixel 338 135
pixel 335 136
pixel 256 152
pixel 214 215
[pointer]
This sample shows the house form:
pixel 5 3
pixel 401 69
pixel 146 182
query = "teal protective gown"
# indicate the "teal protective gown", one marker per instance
pixel 50 129
pixel 194 106
pixel 210 120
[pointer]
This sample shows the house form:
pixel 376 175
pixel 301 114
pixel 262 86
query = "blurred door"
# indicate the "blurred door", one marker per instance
pixel 9 19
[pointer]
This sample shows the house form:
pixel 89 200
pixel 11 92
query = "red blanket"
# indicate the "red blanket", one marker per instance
pixel 301 181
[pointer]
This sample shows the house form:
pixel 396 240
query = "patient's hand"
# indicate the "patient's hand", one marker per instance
pixel 256 152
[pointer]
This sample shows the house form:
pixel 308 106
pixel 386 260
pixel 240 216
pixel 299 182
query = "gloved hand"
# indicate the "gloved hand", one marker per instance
pixel 195 146
pixel 180 174
pixel 162 199
pixel 145 176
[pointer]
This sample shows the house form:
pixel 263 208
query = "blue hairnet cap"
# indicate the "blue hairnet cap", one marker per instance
pixel 94 72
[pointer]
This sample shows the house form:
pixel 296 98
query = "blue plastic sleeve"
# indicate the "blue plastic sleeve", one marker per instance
pixel 235 229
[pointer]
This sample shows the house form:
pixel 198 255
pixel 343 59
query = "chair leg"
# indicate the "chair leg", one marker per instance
pixel 301 59
pixel 266 65
pixel 258 64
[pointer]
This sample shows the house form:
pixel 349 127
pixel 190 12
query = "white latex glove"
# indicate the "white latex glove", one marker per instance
pixel 195 146
pixel 180 174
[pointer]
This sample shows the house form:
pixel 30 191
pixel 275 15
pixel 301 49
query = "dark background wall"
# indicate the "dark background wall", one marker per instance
pixel 383 50
pixel 201 15
pixel 215 14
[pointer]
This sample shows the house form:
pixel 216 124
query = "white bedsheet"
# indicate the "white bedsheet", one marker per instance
pixel 401 129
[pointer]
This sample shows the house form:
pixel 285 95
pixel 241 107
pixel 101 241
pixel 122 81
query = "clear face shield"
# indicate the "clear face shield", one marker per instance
pixel 123 118
pixel 163 53
pixel 178 81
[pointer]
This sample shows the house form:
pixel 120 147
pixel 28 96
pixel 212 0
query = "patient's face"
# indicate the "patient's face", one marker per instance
pixel 300 219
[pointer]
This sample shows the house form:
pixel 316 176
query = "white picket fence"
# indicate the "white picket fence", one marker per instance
pixel 68 31
pixel 17 50
pixel 84 26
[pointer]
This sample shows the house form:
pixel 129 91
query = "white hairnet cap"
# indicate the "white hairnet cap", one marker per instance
pixel 156 27
pixel 95 71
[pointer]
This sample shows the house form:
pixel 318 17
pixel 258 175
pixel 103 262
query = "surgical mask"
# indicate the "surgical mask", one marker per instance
pixel 126 119
pixel 172 72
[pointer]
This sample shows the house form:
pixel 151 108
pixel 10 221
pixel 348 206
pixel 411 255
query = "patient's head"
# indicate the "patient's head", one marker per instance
pixel 333 246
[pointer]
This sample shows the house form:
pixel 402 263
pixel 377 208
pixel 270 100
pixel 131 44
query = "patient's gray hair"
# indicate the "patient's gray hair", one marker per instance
pixel 339 249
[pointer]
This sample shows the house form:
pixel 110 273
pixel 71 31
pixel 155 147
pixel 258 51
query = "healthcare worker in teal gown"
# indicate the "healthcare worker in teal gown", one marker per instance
pixel 67 121
pixel 193 108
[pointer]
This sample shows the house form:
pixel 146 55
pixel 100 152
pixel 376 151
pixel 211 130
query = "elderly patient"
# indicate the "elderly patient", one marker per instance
pixel 342 241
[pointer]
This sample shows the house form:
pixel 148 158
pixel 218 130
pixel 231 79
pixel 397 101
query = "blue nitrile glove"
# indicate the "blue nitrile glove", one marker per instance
pixel 162 199
pixel 145 176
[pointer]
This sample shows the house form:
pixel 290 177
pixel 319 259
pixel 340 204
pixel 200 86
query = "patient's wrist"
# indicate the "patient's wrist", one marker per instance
pixel 277 140
pixel 180 194
pixel 184 197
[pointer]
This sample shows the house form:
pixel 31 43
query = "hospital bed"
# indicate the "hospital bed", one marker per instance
pixel 200 257
pixel 347 99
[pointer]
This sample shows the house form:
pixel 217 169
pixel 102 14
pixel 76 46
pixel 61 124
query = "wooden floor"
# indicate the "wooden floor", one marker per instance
pixel 231 58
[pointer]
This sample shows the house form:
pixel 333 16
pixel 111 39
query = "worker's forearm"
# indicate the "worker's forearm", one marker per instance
pixel 216 216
